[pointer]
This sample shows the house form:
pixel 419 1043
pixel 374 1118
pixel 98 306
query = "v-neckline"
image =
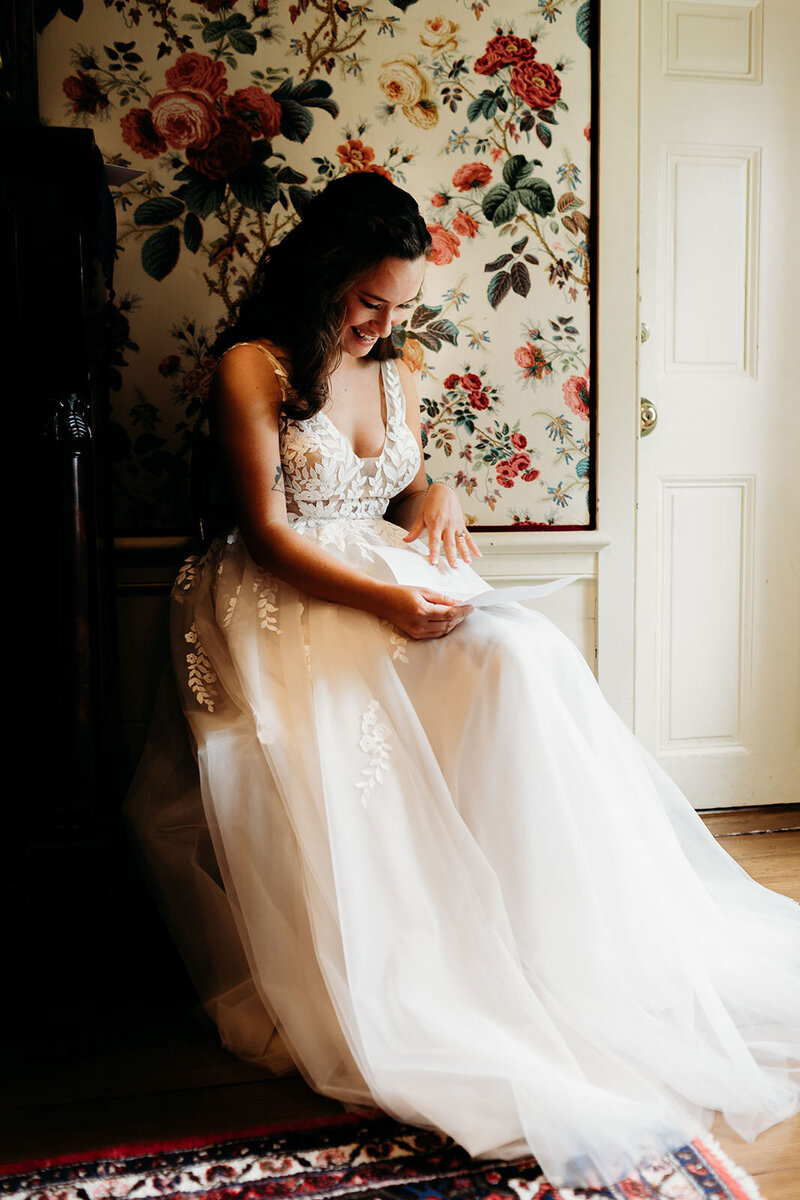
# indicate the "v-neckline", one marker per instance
pixel 372 458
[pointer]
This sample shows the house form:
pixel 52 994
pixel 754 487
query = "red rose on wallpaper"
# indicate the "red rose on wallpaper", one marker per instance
pixel 197 381
pixel 452 381
pixel 536 84
pixel 472 382
pixel 478 400
pixel 506 474
pixel 520 462
pixel 464 224
pixel 576 395
pixel 230 149
pixel 471 175
pixel 502 51
pixel 139 133
pixel 519 441
pixel 85 94
pixel 184 119
pixel 256 109
pixel 438 200
pixel 169 365
pixel 532 361
pixel 446 245
pixel 197 72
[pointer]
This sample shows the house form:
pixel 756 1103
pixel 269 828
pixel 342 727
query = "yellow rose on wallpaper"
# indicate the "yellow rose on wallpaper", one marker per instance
pixel 407 87
pixel 439 33
pixel 413 354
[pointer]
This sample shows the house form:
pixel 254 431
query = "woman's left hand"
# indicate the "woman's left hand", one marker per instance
pixel 442 518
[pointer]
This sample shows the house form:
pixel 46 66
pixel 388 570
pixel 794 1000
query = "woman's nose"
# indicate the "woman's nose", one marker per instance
pixel 383 322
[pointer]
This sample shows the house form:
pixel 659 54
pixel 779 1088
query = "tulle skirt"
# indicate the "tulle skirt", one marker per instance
pixel 443 878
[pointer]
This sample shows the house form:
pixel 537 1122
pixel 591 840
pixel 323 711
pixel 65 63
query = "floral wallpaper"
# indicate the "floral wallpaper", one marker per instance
pixel 234 110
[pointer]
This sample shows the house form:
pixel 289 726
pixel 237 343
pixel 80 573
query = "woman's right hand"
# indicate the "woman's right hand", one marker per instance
pixel 422 613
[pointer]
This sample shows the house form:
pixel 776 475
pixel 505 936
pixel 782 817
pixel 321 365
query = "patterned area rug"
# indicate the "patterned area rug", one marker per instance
pixel 350 1157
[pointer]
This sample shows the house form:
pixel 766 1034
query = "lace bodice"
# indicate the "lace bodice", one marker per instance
pixel 323 476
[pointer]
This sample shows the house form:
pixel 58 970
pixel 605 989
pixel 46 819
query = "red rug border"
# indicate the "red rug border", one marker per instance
pixel 167 1145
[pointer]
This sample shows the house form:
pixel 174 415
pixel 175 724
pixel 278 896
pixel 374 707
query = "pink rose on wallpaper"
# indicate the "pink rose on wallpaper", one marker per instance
pixel 471 175
pixel 257 110
pixel 438 200
pixel 184 118
pixel 502 51
pixel 536 84
pixel 576 395
pixel 532 361
pixel 519 441
pixel 139 133
pixel 520 462
pixel 464 224
pixel 229 149
pixel 446 245
pixel 197 72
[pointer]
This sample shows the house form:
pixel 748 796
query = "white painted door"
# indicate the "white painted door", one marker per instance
pixel 718 532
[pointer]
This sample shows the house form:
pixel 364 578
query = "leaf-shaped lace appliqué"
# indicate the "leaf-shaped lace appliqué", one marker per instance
pixel 231 608
pixel 374 741
pixel 397 640
pixel 265 587
pixel 201 677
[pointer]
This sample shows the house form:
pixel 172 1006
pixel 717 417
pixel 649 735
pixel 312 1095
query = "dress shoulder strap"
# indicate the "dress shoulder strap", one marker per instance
pixel 393 387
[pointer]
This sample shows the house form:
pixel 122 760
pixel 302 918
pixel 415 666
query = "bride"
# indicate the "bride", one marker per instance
pixel 408 848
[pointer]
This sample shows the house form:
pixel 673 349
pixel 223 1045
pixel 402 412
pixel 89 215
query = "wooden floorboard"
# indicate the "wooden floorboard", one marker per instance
pixel 169 1078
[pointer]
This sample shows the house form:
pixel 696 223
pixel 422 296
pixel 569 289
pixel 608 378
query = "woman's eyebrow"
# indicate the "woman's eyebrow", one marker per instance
pixel 383 299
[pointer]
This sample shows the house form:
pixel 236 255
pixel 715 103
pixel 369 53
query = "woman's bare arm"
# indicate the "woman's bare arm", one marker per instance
pixel 434 509
pixel 246 399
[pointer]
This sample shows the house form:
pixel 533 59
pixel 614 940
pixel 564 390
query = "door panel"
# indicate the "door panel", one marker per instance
pixel 718 525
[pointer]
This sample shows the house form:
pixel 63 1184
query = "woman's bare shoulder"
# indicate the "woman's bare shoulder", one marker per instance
pixel 251 369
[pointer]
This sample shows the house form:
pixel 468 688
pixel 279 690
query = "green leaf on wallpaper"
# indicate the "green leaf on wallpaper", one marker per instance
pixel 428 340
pixel 502 261
pixel 255 187
pixel 315 93
pixel 515 170
pixel 300 198
pixel 537 195
pixel 583 22
pixel 158 211
pixel 422 314
pixel 485 105
pixel 583 468
pixel 445 330
pixel 203 196
pixel 520 279
pixel 160 252
pixel 296 121
pixel 499 287
pixel 544 134
pixel 499 204
pixel 243 41
pixel 192 232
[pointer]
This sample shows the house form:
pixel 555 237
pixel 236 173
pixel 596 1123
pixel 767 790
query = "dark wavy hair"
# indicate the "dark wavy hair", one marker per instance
pixel 297 296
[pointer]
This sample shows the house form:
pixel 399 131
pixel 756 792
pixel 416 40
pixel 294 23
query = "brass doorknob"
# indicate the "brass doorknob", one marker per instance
pixel 648 416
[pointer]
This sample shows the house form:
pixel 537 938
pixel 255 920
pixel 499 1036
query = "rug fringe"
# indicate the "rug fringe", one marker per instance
pixel 737 1173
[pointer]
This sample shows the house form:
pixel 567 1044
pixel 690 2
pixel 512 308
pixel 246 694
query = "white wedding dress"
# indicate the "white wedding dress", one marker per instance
pixel 442 877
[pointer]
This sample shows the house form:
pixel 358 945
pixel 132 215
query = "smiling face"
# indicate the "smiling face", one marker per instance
pixel 381 298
